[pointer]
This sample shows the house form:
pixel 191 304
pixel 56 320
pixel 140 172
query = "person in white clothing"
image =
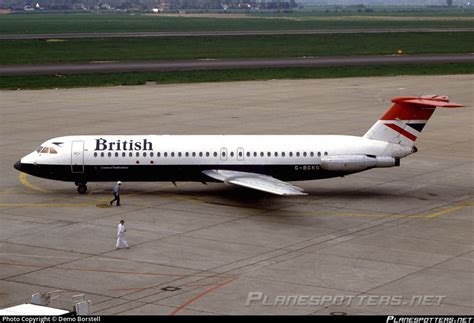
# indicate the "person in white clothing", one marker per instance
pixel 121 242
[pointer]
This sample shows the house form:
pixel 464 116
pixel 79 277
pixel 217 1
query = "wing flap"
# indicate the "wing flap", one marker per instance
pixel 254 181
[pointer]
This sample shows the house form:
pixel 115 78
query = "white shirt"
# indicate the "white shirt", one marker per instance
pixel 121 229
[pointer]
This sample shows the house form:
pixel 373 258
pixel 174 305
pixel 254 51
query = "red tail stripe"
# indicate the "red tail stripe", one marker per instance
pixel 401 111
pixel 401 131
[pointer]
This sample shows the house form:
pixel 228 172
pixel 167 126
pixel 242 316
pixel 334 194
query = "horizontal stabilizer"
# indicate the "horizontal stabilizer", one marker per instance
pixel 435 101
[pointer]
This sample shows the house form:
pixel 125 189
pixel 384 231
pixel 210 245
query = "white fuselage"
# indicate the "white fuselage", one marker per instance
pixel 184 157
pixel 212 149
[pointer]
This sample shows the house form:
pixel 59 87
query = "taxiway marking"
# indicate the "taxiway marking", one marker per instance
pixel 24 181
pixel 195 298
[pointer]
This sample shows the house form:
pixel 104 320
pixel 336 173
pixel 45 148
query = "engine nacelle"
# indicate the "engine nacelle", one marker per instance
pixel 357 163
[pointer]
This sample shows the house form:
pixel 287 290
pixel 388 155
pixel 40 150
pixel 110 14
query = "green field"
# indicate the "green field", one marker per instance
pixel 97 22
pixel 172 48
pixel 92 80
pixel 140 49
pixel 373 10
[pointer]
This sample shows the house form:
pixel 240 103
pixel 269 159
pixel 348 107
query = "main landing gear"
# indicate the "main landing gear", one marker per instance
pixel 81 187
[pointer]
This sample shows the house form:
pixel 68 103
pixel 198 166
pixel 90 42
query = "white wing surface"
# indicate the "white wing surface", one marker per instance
pixel 255 181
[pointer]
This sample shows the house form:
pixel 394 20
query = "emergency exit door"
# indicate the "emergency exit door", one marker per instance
pixel 77 157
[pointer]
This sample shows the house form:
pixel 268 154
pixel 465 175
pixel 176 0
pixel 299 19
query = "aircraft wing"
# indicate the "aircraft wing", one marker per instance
pixel 255 181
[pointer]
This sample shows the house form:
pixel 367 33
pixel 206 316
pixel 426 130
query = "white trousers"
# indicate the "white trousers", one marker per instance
pixel 121 242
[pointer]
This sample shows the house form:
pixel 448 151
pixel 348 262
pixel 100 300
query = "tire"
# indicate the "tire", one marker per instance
pixel 82 189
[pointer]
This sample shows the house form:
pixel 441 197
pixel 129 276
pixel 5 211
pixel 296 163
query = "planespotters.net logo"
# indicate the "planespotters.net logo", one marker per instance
pixel 421 319
pixel 262 299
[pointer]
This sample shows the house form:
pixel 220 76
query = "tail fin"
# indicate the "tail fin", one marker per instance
pixel 403 123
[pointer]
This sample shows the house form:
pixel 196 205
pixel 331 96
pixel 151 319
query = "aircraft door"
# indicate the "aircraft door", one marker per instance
pixel 77 157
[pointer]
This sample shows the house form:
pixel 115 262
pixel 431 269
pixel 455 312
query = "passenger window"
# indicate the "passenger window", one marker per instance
pixel 137 154
pixel 231 154
pixel 215 154
pixel 223 154
pixel 261 154
pixel 116 154
pixel 124 154
pixel 109 154
pixel 179 154
pixel 312 154
pixel 319 154
pixel 207 154
pixel 291 154
pixel 144 154
pixel 325 153
pixel 200 154
pixel 130 154
pixel 254 154
pixel 95 154
pixel 297 154
pixel 102 154
pixel 165 154
pixel 248 154
pixel 304 154
pixel 158 154
pixel 152 154
pixel 172 154
pixel 186 154
pixel 194 154
pixel 283 154
pixel 276 154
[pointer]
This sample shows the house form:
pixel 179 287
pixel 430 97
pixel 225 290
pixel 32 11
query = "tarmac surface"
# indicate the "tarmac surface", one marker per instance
pixel 242 63
pixel 395 241
pixel 232 33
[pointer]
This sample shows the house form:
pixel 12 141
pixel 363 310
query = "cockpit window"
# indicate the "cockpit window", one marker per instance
pixel 38 150
pixel 47 150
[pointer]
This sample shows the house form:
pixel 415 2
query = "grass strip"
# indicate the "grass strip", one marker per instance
pixel 116 79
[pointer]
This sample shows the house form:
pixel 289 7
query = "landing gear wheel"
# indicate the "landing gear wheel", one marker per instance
pixel 82 189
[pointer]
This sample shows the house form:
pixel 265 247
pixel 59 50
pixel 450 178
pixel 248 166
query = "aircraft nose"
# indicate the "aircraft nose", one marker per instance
pixel 17 165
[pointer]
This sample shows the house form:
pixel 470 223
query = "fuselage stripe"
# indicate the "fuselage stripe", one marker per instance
pixel 401 131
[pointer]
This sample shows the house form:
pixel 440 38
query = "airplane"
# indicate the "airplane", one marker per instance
pixel 260 162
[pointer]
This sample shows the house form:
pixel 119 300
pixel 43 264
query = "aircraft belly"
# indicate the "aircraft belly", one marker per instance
pixel 144 173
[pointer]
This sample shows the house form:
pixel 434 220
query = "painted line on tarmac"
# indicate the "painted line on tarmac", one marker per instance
pixel 382 215
pixel 451 209
pixel 46 204
pixel 23 179
pixel 97 270
pixel 429 215
pixel 17 192
pixel 201 295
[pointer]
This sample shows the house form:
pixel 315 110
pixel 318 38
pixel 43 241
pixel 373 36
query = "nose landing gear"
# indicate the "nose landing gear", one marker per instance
pixel 81 187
